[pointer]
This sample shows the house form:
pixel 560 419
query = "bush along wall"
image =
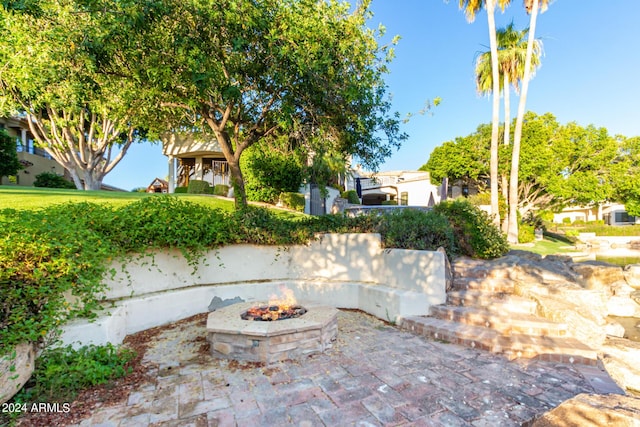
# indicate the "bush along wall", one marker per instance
pixel 476 236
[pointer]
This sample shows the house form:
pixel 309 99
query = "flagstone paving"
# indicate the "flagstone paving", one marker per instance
pixel 375 375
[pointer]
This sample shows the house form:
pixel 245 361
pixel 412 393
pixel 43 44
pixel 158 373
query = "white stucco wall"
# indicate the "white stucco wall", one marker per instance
pixel 341 270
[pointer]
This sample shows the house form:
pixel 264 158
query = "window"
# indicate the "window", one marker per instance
pixel 404 198
pixel 624 217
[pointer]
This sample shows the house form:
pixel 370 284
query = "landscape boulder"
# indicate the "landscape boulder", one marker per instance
pixel 632 275
pixel 589 410
pixel 621 360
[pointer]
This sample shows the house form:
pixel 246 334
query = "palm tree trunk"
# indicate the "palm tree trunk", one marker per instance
pixel 512 236
pixel 495 122
pixel 507 140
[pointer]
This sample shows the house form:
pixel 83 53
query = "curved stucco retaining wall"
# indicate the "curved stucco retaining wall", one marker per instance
pixel 340 270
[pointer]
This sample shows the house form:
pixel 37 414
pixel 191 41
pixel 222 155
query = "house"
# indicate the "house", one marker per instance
pixel 405 188
pixel 35 160
pixel 158 186
pixel 192 157
pixel 610 213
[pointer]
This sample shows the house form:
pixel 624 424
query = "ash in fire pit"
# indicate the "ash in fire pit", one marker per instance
pixel 273 312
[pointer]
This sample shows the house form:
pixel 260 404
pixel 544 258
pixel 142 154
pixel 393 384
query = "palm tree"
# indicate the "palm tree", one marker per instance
pixel 512 48
pixel 532 7
pixel 471 8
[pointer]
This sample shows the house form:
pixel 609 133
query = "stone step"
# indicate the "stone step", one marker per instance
pixel 478 271
pixel 484 284
pixel 504 322
pixel 554 349
pixel 497 302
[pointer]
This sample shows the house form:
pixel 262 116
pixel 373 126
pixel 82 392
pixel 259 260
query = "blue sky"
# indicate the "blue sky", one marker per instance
pixel 590 74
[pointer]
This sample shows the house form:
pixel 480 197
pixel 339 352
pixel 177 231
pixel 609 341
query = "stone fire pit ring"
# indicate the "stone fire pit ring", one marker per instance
pixel 231 337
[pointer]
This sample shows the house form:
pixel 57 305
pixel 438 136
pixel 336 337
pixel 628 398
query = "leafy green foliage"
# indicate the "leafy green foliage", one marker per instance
pixel 351 196
pixel 221 190
pixel 181 190
pixel 559 164
pixel 416 229
pixel 255 70
pixel 475 233
pixel 61 373
pixel 268 173
pixel 294 201
pixel 198 187
pixel 63 67
pixel 9 163
pixel 526 233
pixel 52 180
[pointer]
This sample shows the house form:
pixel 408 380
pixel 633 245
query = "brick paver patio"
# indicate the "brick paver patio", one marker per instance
pixel 375 375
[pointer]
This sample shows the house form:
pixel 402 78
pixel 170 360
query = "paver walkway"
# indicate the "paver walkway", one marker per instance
pixel 375 375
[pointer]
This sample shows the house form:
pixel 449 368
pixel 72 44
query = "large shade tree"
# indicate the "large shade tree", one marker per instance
pixel 560 164
pixel 471 8
pixel 62 66
pixel 627 175
pixel 244 71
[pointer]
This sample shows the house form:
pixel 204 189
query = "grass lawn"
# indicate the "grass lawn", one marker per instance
pixel 35 198
pixel 548 246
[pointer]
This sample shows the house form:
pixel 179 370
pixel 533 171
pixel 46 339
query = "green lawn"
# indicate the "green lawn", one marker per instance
pixel 35 198
pixel 547 246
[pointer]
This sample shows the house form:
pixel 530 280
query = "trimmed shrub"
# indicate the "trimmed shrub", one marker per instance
pixel 52 180
pixel 221 190
pixel 351 196
pixel 417 229
pixel 294 201
pixel 180 190
pixel 389 203
pixel 476 235
pixel 526 233
pixel 198 187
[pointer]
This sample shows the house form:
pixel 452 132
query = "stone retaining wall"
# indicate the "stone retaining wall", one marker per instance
pixel 340 270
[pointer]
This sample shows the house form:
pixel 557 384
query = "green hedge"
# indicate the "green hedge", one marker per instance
pixel 221 190
pixel 417 229
pixel 52 180
pixel 181 190
pixel 351 196
pixel 198 187
pixel 294 201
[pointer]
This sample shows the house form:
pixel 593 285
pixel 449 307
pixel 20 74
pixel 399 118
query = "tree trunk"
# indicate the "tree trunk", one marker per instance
pixel 507 140
pixel 512 236
pixel 495 122
pixel 91 182
pixel 237 182
pixel 76 179
pixel 233 159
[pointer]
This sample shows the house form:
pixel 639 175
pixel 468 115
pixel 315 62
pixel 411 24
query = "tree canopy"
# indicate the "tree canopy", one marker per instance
pixel 244 71
pixel 64 67
pixel 559 164
pixel 9 163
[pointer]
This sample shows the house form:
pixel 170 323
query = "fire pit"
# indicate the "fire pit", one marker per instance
pixel 234 333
